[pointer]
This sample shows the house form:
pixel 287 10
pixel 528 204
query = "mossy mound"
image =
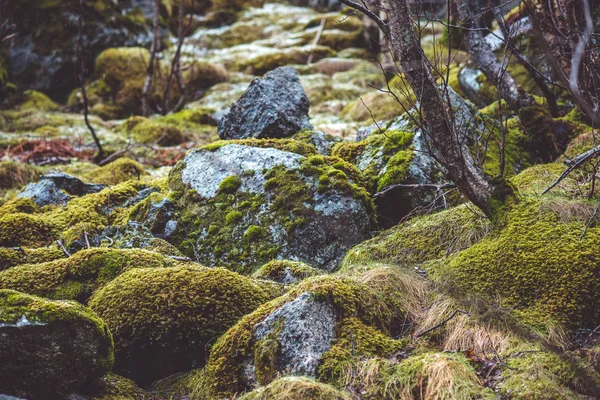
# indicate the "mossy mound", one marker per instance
pixel 363 318
pixel 115 387
pixel 27 230
pixel 121 170
pixel 323 142
pixel 261 64
pixel 37 101
pixel 163 319
pixel 240 206
pixel 285 271
pixel 296 388
pixel 421 239
pixel 50 348
pixel 200 75
pixel 12 256
pixel 77 277
pixel 539 262
pixel 152 132
pixel 14 174
pixel 19 205
pixel 291 145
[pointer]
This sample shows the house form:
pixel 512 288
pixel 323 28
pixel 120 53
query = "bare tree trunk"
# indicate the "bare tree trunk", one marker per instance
pixel 82 75
pixel 485 59
pixel 176 63
pixel 153 50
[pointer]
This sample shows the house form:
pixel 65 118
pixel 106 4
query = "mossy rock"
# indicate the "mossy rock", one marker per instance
pixel 37 101
pixel 296 388
pixel 201 75
pixel 50 348
pixel 115 387
pixel 121 170
pixel 538 261
pixel 12 256
pixel 240 206
pixel 421 239
pixel 285 271
pixel 356 319
pixel 152 132
pixel 261 64
pixel 19 205
pixel 323 142
pixel 27 230
pixel 77 277
pixel 163 319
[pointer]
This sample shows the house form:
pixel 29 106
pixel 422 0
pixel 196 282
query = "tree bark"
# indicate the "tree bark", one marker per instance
pixel 440 128
pixel 153 50
pixel 485 59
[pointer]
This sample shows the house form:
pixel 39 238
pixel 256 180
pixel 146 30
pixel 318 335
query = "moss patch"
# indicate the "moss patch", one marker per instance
pixel 163 319
pixel 118 171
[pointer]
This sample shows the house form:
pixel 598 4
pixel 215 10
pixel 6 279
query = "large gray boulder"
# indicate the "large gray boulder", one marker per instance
pixel 239 207
pixel 50 348
pixel 274 106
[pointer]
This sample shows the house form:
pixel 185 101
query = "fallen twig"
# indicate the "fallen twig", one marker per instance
pixel 62 246
pixel 418 335
pixel 436 186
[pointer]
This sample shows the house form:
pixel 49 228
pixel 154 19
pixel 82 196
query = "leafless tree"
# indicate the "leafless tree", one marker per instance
pixel 82 76
pixel 441 129
pixel 153 50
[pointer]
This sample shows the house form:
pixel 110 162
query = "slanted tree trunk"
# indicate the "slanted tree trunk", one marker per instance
pixel 153 50
pixel 485 59
pixel 443 134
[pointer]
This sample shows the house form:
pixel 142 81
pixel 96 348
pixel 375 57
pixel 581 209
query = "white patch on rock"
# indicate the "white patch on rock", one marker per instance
pixel 23 321
pixel 205 170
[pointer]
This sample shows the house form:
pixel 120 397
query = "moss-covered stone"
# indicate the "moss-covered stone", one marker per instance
pixel 12 256
pixel 50 347
pixel 296 388
pixel 291 145
pixel 362 312
pixel 261 64
pixel 164 319
pixel 151 132
pixel 27 230
pixel 115 387
pixel 121 170
pixel 77 277
pixel 538 262
pixel 33 100
pixel 420 239
pixel 19 205
pixel 286 271
pixel 254 215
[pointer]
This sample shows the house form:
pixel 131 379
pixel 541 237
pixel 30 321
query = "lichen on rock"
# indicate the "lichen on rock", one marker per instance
pixel 283 205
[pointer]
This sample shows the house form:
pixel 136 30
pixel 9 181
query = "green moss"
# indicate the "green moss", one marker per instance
pixel 421 239
pixel 296 388
pixel 14 174
pixel 218 231
pixel 362 310
pixel 152 132
pixel 77 277
pixel 163 319
pixel 291 145
pixel 201 75
pixel 9 257
pixel 19 205
pixel 230 184
pixel 383 157
pixel 537 262
pixel 261 64
pixel 121 170
pixel 281 270
pixel 21 229
pixel 34 100
pixel 114 387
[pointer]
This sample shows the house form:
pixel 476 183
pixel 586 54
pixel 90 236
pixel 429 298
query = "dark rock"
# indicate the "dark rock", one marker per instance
pixel 274 106
pixel 55 188
pixel 50 348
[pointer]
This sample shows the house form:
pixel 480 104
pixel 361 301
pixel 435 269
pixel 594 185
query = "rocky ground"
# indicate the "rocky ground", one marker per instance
pixel 251 245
